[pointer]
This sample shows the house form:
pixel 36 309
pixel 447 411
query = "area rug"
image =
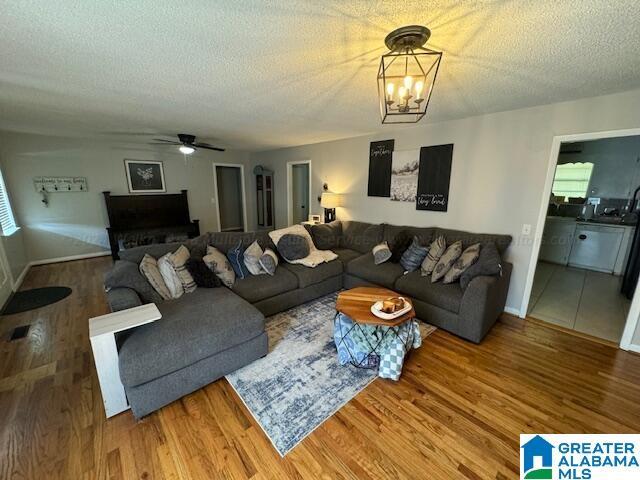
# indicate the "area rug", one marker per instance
pixel 300 383
pixel 35 298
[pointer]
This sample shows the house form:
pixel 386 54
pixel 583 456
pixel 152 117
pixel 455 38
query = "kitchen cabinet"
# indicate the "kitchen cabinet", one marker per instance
pixel 596 247
pixel 557 240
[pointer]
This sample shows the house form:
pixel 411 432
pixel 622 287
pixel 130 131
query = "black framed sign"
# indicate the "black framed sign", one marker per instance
pixel 145 176
pixel 434 178
pixel 380 157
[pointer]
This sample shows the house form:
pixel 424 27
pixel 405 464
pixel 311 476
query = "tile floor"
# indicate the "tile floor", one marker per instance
pixel 586 301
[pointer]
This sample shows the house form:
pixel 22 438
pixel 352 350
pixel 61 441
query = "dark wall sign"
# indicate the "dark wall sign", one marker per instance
pixel 380 156
pixel 434 177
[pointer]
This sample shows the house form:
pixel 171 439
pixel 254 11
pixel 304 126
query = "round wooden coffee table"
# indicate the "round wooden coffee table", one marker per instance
pixel 356 305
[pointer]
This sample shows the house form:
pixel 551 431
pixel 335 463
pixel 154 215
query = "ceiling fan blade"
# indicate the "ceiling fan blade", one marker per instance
pixel 208 147
pixel 173 142
pixel 164 143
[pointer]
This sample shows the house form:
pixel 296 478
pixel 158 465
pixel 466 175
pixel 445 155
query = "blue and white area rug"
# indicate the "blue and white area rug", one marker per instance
pixel 300 383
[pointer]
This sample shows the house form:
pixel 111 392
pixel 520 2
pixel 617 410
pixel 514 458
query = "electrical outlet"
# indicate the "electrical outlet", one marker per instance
pixel 526 229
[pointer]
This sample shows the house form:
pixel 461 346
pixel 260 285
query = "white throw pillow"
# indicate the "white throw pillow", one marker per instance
pixel 315 258
pixel 149 269
pixel 170 277
pixel 252 259
pixel 178 260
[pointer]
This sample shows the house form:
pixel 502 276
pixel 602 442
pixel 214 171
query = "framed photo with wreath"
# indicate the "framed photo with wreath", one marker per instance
pixel 145 176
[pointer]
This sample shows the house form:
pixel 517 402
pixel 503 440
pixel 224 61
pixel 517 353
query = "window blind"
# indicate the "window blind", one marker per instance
pixel 7 220
pixel 572 179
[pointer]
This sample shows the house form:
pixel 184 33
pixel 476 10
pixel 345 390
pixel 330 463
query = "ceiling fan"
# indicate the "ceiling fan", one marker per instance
pixel 187 144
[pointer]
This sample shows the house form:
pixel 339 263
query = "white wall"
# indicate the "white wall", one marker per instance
pixel 498 173
pixel 616 165
pixel 74 223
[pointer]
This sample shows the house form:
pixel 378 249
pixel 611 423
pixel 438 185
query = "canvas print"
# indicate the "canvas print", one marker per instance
pixel 145 176
pixel 404 175
pixel 380 157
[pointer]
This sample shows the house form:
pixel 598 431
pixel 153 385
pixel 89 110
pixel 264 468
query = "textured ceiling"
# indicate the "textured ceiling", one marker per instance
pixel 264 74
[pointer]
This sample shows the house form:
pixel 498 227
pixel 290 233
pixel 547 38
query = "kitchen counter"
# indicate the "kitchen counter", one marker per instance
pixel 614 221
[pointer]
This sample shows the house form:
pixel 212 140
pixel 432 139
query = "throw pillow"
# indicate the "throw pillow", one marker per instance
pixel 464 261
pixel 178 259
pixel 219 264
pixel 170 276
pixel 315 257
pixel 326 236
pixel 436 250
pixel 236 259
pixel 149 269
pixel 269 261
pixel 381 253
pixel 413 256
pixel 252 256
pixel 293 247
pixel 399 245
pixel 201 274
pixel 446 261
pixel 127 275
pixel 489 263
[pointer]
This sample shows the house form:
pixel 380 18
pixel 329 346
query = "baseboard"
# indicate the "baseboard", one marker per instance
pixel 633 348
pixel 512 311
pixel 69 258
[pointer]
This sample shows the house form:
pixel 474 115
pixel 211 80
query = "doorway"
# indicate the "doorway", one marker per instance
pixel 299 190
pixel 578 276
pixel 229 190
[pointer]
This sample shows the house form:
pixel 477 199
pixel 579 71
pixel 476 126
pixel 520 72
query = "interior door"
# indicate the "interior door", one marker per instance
pixel 300 193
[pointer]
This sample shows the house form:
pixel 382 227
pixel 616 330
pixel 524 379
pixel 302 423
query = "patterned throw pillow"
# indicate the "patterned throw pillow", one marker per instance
pixel 269 261
pixel 464 261
pixel 381 253
pixel 446 261
pixel 436 250
pixel 252 258
pixel 170 276
pixel 149 269
pixel 178 260
pixel 219 264
pixel 236 259
pixel 293 247
pixel 489 263
pixel 413 256
pixel 201 274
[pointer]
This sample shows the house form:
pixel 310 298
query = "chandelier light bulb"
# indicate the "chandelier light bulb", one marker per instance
pixel 408 81
pixel 390 88
pixel 419 87
pixel 402 91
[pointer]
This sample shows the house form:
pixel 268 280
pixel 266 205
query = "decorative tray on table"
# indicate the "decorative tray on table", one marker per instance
pixel 391 308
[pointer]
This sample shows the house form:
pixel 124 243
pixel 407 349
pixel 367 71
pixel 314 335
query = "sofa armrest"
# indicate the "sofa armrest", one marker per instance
pixel 482 303
pixel 122 298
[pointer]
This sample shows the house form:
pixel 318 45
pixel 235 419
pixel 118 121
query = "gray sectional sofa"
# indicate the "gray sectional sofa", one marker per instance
pixel 207 334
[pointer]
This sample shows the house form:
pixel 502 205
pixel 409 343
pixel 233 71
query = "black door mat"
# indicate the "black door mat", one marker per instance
pixel 35 298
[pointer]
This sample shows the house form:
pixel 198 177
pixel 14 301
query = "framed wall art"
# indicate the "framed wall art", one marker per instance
pixel 145 176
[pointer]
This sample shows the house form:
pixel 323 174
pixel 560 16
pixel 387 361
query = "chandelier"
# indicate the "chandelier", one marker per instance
pixel 406 75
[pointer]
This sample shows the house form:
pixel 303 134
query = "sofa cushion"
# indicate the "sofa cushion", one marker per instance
pixel 345 255
pixel 127 275
pixel 446 296
pixel 384 274
pixel 489 263
pixel 326 236
pixel 254 288
pixel 360 236
pixel 310 276
pixel 469 238
pixel 424 234
pixel 192 328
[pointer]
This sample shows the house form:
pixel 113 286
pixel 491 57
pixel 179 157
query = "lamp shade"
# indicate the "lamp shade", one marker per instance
pixel 331 200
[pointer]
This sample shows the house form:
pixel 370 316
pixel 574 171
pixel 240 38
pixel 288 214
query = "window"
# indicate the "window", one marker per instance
pixel 572 179
pixel 7 221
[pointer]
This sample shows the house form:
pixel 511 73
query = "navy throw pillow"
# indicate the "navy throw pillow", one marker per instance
pixel 236 259
pixel 413 256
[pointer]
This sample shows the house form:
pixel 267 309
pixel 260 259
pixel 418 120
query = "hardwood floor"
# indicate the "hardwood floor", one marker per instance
pixel 457 411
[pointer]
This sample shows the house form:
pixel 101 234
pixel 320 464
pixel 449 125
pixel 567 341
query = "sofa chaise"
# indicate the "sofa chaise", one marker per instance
pixel 205 335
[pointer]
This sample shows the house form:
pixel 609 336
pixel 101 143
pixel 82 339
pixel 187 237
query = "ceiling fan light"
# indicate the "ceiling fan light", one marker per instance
pixel 186 149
